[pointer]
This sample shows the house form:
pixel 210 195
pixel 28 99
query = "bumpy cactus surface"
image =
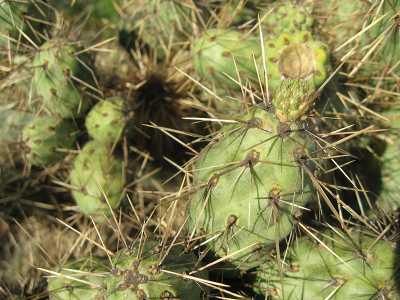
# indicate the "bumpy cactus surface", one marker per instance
pixel 388 199
pixel 68 285
pixel 355 266
pixel 106 121
pixel 55 79
pixel 48 139
pixel 97 178
pixel 251 184
pixel 137 274
pixel 219 54
pixel 286 17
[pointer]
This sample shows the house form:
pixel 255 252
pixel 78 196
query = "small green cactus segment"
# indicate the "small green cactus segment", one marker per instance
pixel 286 17
pixel 55 66
pixel 251 185
pixel 296 56
pixel 292 100
pixel 140 275
pixel 344 267
pixel 390 164
pixel 137 274
pixel 78 280
pixel 97 178
pixel 106 121
pixel 218 52
pixel 47 139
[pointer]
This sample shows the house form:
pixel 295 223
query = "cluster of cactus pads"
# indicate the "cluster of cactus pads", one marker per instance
pixel 163 149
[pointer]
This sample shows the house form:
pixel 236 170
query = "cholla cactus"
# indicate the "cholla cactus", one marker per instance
pixel 251 183
pixel 48 139
pixel 145 272
pixel 57 77
pixel 97 180
pixel 106 121
pixel 337 265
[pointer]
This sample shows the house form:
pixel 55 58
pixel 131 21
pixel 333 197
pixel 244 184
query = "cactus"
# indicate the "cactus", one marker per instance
pixel 376 49
pixel 290 56
pixel 47 139
pixel 72 282
pixel 106 121
pixel 296 56
pixel 97 180
pixel 162 22
pixel 219 51
pixel 136 274
pixel 251 183
pixel 286 17
pixel 57 70
pixel 339 20
pixel 390 163
pixel 339 266
pixel 24 21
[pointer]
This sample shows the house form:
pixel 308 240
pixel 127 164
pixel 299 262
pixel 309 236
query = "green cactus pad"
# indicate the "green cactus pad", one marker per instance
pixel 47 139
pixel 97 178
pixel 81 279
pixel 286 17
pixel 106 121
pixel 296 56
pixel 136 274
pixel 390 163
pixel 343 267
pixel 220 51
pixel 250 185
pixel 55 66
pixel 140 275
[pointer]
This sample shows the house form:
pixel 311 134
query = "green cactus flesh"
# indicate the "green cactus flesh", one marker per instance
pixel 47 139
pixel 81 279
pixel 250 185
pixel 286 17
pixel 296 56
pixel 97 178
pixel 390 162
pixel 136 275
pixel 341 267
pixel 293 99
pixel 55 66
pixel 106 121
pixel 219 54
pixel 142 277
